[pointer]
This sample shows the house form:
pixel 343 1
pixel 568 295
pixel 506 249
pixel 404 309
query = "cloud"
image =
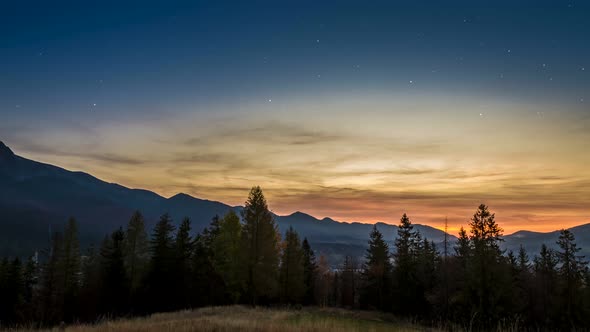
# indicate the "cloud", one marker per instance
pixel 328 170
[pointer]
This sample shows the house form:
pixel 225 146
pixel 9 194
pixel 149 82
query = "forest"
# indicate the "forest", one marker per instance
pixel 472 283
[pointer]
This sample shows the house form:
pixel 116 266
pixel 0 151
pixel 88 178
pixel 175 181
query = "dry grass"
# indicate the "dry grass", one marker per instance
pixel 240 318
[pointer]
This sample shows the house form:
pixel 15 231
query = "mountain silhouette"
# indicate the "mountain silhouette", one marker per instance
pixel 38 198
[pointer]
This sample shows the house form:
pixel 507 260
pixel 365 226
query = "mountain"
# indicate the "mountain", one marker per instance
pixel 38 198
pixel 532 241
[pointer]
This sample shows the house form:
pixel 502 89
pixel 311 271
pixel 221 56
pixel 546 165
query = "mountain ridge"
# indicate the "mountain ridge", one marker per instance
pixel 47 195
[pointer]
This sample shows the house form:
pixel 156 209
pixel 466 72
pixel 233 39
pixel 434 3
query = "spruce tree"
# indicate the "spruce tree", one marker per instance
pixel 291 272
pixel 207 287
pixel 136 252
pixel 227 254
pixel 91 283
pixel 51 290
pixel 376 273
pixel 115 285
pixel 260 240
pixel 69 265
pixel 407 292
pixel 310 272
pixel 545 268
pixel 161 276
pixel 573 267
pixel 488 282
pixel 348 283
pixel 183 249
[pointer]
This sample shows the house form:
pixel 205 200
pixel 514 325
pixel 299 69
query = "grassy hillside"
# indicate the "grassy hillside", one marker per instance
pixel 239 318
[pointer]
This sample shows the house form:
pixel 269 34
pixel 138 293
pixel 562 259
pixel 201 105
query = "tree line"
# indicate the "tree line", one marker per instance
pixel 472 283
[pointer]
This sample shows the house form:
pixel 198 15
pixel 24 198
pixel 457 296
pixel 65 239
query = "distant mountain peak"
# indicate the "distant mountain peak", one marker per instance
pixel 181 197
pixel 5 151
pixel 299 214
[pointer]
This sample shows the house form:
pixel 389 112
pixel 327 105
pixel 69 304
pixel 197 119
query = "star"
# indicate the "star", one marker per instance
pixel 94 104
pixel 411 82
pixel 270 100
pixel 509 51
pixel 317 41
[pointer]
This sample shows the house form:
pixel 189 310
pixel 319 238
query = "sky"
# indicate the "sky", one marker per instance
pixel 354 110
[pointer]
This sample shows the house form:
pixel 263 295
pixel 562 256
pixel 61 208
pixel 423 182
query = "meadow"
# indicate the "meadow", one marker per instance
pixel 243 318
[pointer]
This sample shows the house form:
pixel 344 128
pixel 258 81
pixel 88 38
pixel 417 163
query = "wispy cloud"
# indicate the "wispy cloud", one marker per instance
pixel 530 173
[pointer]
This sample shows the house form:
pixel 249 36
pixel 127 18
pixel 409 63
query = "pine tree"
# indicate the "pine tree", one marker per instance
pixel 407 292
pixel 523 260
pixel 348 283
pixel 261 248
pixel 291 271
pixel 161 276
pixel 115 284
pixel 487 280
pixel 91 284
pixel 136 252
pixel 310 272
pixel 377 273
pixel 426 274
pixel 52 291
pixel 463 247
pixel 227 254
pixel 572 274
pixel 183 248
pixel 207 287
pixel 70 267
pixel 545 267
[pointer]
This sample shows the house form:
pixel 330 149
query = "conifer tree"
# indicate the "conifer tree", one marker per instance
pixel 136 251
pixel 227 254
pixel 207 287
pixel 487 280
pixel 348 283
pixel 407 245
pixel 30 280
pixel 291 272
pixel 545 268
pixel 115 285
pixel 183 249
pixel 310 272
pixel 261 240
pixel 161 275
pixel 426 273
pixel 463 247
pixel 572 272
pixel 377 271
pixel 91 283
pixel 69 265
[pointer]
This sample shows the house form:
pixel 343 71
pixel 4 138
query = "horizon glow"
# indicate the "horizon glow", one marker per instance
pixel 357 113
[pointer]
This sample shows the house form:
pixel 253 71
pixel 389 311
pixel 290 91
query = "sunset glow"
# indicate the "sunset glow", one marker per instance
pixel 411 119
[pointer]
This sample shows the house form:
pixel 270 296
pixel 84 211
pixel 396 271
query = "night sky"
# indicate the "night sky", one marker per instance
pixel 356 110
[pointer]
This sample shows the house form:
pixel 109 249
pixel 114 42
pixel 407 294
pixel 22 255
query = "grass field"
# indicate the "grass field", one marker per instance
pixel 240 318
